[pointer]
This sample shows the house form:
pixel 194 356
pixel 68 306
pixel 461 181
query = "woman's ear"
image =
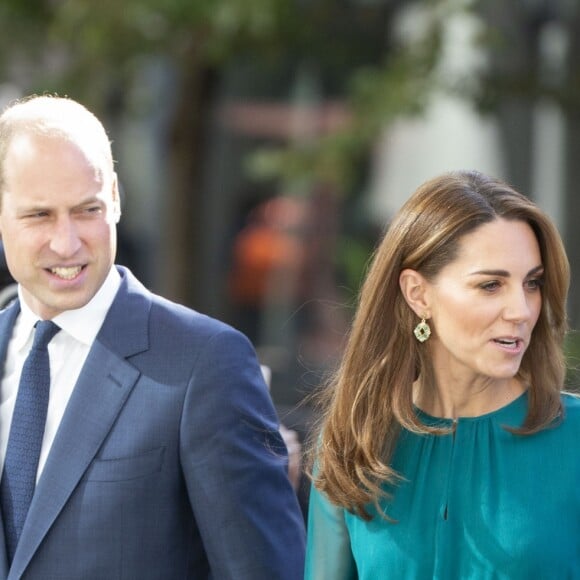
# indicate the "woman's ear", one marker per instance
pixel 414 289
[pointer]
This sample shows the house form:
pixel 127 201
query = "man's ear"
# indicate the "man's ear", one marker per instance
pixel 116 199
pixel 414 289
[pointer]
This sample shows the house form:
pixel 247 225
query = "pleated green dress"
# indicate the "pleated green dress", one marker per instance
pixel 481 503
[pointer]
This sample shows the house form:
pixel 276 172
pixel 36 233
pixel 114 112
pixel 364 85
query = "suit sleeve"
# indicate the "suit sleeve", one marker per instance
pixel 235 467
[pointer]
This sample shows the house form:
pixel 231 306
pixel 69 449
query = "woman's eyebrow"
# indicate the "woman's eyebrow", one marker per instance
pixel 505 273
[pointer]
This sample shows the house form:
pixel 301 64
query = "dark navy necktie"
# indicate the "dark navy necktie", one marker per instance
pixel 26 433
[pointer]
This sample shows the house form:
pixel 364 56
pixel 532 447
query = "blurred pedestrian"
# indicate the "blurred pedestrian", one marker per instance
pixel 267 274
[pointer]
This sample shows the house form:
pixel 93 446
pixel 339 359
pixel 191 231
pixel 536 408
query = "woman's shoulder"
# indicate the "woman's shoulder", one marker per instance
pixel 571 404
pixel 571 399
pixel 564 432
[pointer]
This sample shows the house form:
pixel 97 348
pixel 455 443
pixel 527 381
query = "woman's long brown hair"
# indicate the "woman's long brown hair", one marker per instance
pixel 369 399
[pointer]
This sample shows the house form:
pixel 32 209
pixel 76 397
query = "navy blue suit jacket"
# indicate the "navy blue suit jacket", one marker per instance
pixel 167 464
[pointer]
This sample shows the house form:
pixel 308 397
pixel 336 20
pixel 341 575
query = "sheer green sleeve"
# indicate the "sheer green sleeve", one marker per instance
pixel 328 552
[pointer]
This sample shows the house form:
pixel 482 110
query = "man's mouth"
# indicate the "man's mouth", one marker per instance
pixel 66 273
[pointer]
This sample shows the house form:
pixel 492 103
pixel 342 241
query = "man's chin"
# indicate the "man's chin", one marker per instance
pixel 51 306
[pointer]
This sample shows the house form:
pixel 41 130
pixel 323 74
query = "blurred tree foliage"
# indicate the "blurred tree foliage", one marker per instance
pixel 91 50
pixel 398 84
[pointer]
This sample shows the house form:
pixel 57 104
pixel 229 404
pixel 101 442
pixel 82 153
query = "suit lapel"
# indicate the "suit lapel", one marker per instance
pixel 7 321
pixel 104 385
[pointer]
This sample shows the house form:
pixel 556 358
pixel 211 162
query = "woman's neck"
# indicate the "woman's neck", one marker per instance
pixel 454 400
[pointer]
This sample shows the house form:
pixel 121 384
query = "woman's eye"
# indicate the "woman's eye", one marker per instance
pixel 535 283
pixel 490 286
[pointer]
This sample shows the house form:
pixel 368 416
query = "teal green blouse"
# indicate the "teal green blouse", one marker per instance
pixel 480 503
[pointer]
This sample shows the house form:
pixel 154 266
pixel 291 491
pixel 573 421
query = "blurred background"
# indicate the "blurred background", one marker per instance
pixel 262 145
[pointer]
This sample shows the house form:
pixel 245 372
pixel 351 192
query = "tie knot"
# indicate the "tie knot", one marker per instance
pixel 44 333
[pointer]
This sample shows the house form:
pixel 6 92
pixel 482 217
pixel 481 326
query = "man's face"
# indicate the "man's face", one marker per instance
pixel 58 213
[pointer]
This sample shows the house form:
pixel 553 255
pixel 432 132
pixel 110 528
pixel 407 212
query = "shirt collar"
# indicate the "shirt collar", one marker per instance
pixel 83 323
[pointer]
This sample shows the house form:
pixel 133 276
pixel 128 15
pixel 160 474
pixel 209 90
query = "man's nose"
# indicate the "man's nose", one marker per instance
pixel 64 239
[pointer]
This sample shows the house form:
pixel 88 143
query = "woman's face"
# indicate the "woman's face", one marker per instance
pixel 485 304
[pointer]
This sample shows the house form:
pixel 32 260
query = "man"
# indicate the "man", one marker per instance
pixel 161 456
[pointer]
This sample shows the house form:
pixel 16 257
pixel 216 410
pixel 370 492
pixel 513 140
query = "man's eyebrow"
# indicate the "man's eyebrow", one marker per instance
pixel 93 200
pixel 88 200
pixel 505 273
pixel 31 208
pixel 35 207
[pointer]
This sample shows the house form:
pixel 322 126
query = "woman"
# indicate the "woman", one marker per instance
pixel 447 448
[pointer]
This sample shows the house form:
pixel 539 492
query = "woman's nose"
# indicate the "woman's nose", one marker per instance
pixel 518 307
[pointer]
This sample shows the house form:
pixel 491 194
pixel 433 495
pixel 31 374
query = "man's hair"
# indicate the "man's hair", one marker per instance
pixel 53 116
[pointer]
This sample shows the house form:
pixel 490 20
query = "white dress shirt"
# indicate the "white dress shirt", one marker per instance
pixel 67 351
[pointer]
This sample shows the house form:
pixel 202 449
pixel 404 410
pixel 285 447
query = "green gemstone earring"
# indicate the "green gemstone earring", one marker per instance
pixel 422 331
